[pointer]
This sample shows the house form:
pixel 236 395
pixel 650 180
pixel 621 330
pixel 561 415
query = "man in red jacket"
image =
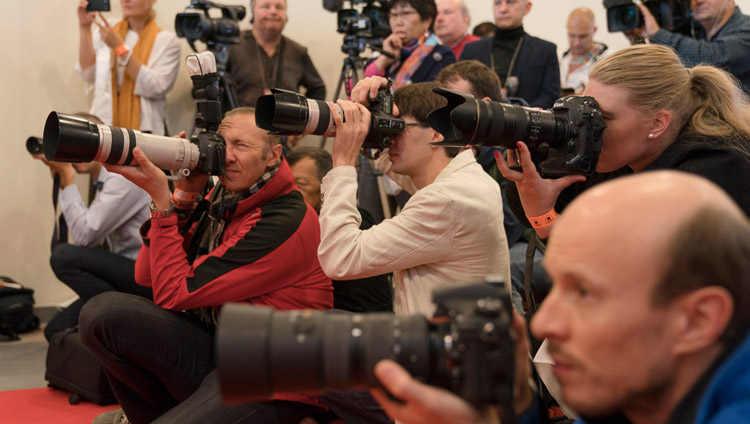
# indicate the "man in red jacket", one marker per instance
pixel 252 239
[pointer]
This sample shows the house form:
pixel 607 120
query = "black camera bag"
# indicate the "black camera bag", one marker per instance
pixel 73 368
pixel 16 309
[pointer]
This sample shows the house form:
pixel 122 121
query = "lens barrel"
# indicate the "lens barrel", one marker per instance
pixel 288 113
pixel 34 145
pixel 467 120
pixel 69 138
pixel 261 351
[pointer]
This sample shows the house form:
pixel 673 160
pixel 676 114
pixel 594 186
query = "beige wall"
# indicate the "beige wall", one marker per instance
pixel 38 76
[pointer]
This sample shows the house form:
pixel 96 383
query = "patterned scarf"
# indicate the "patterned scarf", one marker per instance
pixel 424 46
pixel 212 220
pixel 126 106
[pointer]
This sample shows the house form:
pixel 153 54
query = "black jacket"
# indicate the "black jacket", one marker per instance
pixel 537 68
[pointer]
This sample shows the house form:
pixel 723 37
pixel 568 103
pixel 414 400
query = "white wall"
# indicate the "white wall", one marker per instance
pixel 38 76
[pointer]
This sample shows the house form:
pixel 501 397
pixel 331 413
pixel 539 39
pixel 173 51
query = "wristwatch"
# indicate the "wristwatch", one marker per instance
pixel 157 213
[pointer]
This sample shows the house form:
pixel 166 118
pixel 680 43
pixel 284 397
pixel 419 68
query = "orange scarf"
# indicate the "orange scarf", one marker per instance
pixel 126 106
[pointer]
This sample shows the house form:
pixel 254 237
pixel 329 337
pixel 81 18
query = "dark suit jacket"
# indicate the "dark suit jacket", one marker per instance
pixel 536 67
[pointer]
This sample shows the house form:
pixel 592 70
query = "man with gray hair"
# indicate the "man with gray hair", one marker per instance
pixel 452 25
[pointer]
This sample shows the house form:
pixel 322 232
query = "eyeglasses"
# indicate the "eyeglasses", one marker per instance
pixel 405 14
pixel 417 124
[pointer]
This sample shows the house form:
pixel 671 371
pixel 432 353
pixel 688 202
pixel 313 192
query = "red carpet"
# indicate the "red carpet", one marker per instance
pixel 46 405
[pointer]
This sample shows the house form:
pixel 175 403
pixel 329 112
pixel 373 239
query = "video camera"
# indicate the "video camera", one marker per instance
pixel 566 139
pixel 468 348
pixel 70 138
pixel 361 29
pixel 672 15
pixel 197 24
pixel 288 113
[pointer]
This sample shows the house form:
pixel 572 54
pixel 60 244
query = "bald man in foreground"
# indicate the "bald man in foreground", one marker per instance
pixel 583 51
pixel 647 320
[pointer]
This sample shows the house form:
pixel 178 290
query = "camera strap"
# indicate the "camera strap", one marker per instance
pixel 512 62
pixel 60 232
pixel 276 65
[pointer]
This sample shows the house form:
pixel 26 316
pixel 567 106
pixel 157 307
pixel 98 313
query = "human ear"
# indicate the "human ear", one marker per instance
pixel 660 123
pixel 706 313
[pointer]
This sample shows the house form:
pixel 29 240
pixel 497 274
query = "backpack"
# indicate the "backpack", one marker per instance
pixel 73 368
pixel 16 309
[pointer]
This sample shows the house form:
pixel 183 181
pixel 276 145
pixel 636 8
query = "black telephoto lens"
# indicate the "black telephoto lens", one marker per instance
pixel 467 120
pixel 34 145
pixel 261 351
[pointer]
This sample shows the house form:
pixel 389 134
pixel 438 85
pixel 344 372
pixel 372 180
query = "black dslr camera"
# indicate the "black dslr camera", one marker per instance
pixel 468 348
pixel 672 15
pixel 288 113
pixel 566 139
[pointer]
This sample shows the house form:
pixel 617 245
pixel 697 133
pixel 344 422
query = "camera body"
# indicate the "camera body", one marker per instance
pixel 468 349
pixel 672 15
pixel 196 24
pixel 563 140
pixel 288 113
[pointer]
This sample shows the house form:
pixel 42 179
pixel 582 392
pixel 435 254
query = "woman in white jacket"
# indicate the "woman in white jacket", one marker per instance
pixel 132 65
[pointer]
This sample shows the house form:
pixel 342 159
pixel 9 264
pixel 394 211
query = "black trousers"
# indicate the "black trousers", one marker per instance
pixel 89 272
pixel 161 366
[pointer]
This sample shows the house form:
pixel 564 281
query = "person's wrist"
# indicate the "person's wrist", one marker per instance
pixel 183 199
pixel 543 220
pixel 121 50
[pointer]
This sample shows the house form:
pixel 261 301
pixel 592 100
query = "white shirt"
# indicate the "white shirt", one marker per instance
pixel 449 231
pixel 116 214
pixel 578 79
pixel 154 80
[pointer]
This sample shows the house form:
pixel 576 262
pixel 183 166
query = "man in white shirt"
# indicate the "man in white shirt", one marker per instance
pixel 583 53
pixel 105 237
pixel 450 230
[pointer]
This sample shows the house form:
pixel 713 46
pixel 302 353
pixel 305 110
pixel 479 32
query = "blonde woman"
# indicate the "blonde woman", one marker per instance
pixel 659 115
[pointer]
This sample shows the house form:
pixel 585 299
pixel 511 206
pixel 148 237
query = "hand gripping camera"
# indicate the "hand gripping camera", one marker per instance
pixel 468 348
pixel 566 139
pixel 288 113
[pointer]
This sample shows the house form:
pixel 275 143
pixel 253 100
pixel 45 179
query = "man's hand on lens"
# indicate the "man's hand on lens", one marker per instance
pixel 147 176
pixel 351 131
pixel 64 169
pixel 650 26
